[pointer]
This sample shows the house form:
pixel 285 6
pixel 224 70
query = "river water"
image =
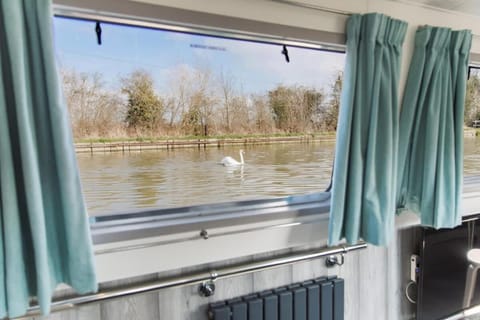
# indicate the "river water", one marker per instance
pixel 119 182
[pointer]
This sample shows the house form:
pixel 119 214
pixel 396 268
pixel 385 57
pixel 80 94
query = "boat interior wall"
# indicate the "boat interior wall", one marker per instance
pixel 300 13
pixel 384 272
pixel 304 21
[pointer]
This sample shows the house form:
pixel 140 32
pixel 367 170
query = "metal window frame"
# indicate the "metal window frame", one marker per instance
pixel 144 235
pixel 147 223
pixel 239 216
pixel 63 11
pixel 134 244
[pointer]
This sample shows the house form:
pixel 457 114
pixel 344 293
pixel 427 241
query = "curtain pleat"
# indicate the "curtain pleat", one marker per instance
pixel 45 238
pixel 364 177
pixel 430 170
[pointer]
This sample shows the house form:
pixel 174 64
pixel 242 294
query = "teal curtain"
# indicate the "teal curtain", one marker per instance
pixel 44 228
pixel 363 183
pixel 430 169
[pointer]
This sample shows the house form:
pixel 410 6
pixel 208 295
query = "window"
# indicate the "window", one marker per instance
pixel 195 99
pixel 472 124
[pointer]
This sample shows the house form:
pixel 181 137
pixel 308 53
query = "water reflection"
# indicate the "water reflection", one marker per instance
pixel 146 174
pixel 114 182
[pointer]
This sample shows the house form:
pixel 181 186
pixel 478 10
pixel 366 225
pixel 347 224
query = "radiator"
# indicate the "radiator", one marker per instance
pixel 319 299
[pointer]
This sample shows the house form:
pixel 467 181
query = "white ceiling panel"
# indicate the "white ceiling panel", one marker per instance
pixel 471 7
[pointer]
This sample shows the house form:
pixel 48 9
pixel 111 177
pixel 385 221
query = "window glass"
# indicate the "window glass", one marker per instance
pixel 472 124
pixel 192 100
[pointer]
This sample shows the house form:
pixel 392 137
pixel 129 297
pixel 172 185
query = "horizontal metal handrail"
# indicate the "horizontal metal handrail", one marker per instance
pixel 197 278
pixel 475 310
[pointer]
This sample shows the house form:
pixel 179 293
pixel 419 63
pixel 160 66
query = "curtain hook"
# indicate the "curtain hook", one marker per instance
pixel 285 53
pixel 98 31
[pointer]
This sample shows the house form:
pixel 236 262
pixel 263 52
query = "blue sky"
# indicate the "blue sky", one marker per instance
pixel 256 67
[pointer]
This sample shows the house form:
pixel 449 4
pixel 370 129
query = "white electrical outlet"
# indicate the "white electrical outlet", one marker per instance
pixel 414 267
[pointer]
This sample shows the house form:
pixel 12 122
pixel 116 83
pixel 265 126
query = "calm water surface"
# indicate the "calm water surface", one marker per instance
pixel 117 182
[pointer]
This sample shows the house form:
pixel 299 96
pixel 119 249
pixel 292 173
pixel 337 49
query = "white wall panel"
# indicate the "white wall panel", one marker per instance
pixel 370 293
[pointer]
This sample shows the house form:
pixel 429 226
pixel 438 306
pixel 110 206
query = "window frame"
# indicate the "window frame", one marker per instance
pixel 140 242
pixel 207 233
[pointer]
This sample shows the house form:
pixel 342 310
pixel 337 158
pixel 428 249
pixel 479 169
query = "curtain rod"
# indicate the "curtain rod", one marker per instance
pixel 196 278
pixel 313 6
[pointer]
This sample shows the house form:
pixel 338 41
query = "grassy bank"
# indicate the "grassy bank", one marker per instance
pixel 152 143
pixel 180 138
pixel 471 132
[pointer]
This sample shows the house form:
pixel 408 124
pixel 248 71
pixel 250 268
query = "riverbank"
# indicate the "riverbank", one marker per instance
pixel 175 143
pixel 140 144
pixel 471 132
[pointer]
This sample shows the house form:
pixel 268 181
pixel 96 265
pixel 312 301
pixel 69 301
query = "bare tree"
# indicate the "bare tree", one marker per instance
pixel 262 115
pixel 331 109
pixel 94 111
pixel 198 119
pixel 179 95
pixel 227 90
pixel 241 116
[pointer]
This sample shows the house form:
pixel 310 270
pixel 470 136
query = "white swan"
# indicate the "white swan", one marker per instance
pixel 230 162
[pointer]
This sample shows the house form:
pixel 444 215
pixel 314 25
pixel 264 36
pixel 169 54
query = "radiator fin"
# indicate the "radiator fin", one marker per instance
pixel 326 300
pixel 300 304
pixel 270 307
pixel 319 299
pixel 338 297
pixel 239 311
